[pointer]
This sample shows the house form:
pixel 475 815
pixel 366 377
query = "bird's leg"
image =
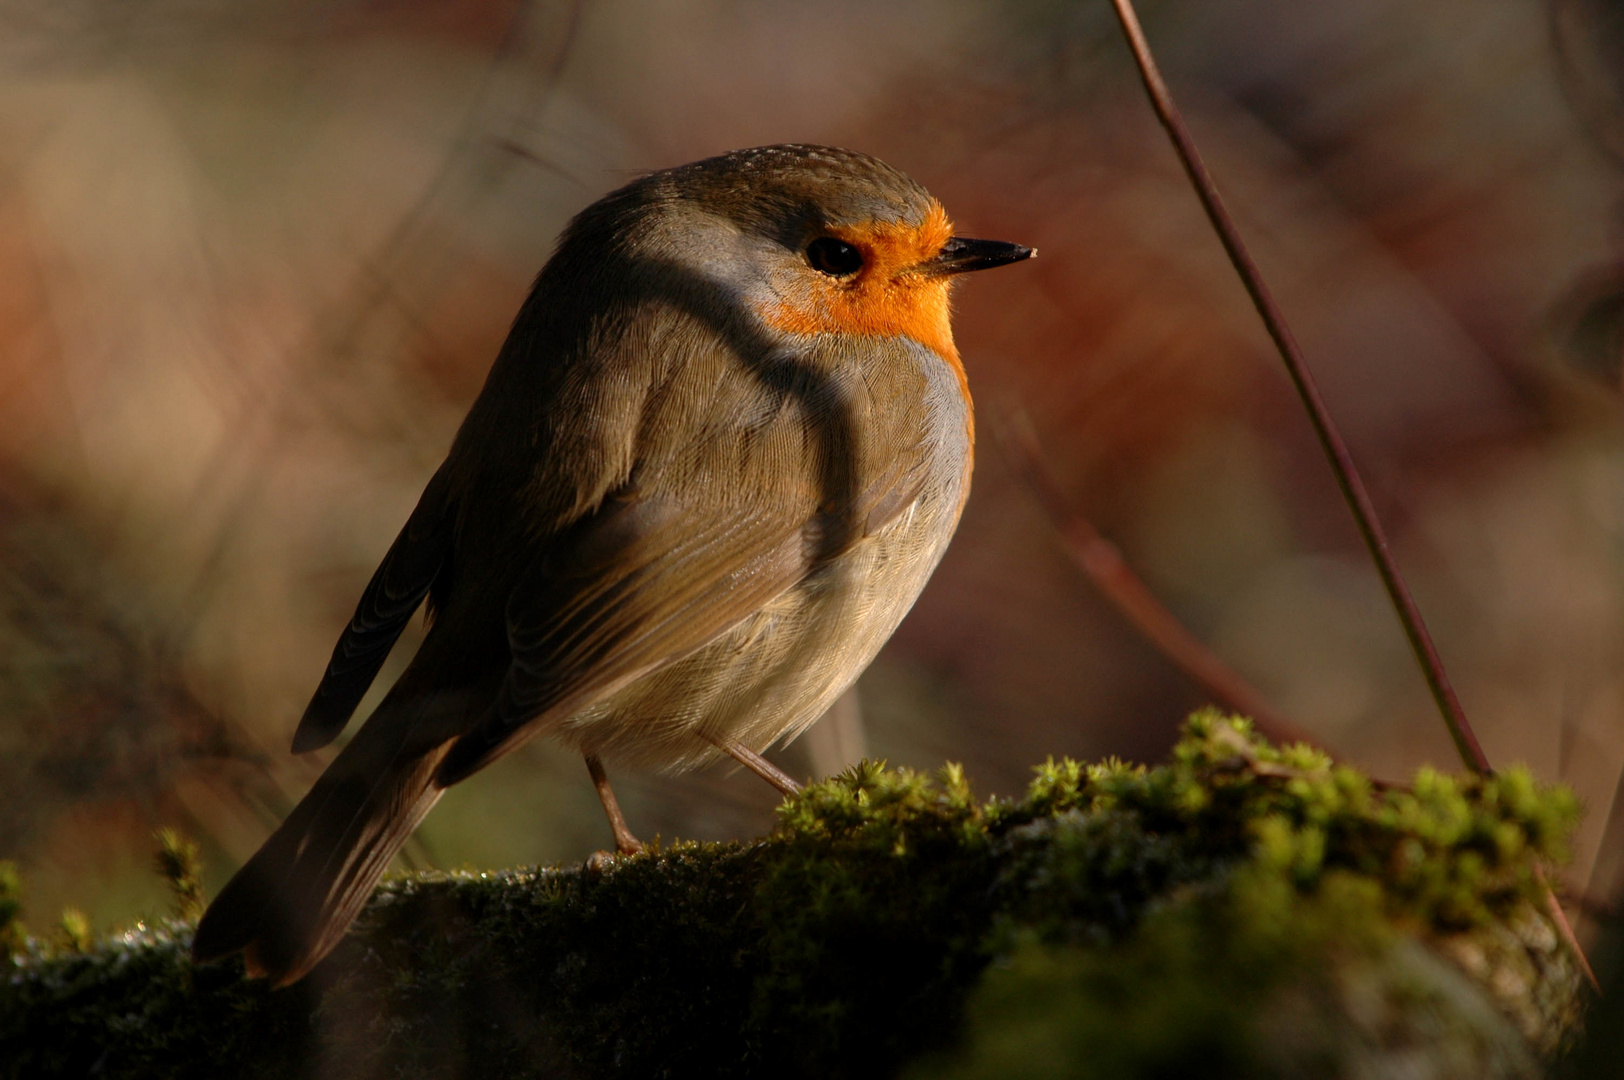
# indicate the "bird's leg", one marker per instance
pixel 757 764
pixel 625 842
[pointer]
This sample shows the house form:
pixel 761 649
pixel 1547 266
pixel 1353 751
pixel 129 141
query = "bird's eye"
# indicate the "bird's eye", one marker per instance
pixel 833 257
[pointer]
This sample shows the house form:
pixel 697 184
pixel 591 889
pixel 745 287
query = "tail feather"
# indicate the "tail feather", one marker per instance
pixel 294 900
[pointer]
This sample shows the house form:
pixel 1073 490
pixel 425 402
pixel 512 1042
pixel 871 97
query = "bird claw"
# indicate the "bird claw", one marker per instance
pixel 599 861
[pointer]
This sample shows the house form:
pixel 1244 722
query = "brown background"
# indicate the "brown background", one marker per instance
pixel 253 267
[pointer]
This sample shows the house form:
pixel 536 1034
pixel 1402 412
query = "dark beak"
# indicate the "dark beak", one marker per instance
pixel 961 254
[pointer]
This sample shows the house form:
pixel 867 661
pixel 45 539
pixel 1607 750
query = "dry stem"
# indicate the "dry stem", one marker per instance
pixel 1347 475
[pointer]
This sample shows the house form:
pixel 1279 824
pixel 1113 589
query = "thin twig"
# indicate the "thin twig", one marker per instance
pixel 1347 475
pixel 1103 564
pixel 1559 918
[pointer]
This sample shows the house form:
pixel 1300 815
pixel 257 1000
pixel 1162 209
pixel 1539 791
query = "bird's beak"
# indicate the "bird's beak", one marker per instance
pixel 961 254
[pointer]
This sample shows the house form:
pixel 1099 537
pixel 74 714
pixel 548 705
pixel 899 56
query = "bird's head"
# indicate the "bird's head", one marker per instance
pixel 812 239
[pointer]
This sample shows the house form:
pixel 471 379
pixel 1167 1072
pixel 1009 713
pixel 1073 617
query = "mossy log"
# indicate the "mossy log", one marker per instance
pixel 1240 911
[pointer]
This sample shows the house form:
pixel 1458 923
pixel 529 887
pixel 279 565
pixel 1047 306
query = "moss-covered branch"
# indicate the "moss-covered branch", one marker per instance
pixel 1240 911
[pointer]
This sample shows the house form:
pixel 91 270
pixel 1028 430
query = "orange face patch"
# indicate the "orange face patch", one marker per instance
pixel 887 297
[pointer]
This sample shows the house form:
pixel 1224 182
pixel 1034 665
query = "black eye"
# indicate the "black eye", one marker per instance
pixel 834 257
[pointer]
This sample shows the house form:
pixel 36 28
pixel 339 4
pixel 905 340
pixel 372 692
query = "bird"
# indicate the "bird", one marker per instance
pixel 722 448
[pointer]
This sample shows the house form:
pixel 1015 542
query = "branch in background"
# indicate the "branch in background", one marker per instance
pixel 1100 560
pixel 1347 475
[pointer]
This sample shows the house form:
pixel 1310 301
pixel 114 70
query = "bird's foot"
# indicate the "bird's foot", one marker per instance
pixel 601 860
pixel 625 842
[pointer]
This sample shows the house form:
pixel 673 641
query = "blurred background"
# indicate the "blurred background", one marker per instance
pixel 256 259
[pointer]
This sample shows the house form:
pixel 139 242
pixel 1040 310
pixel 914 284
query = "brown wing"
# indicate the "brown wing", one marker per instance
pixel 786 472
pixel 624 601
pixel 398 587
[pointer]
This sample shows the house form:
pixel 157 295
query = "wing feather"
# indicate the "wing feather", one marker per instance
pixel 419 556
pixel 669 563
pixel 575 640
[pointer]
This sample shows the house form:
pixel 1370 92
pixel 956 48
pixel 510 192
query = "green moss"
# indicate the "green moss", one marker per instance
pixel 177 863
pixel 1244 908
pixel 13 936
pixel 872 909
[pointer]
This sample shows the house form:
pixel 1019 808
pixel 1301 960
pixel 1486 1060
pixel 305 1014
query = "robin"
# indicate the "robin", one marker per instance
pixel 725 444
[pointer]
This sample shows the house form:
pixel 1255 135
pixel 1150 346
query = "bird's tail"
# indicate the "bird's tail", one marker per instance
pixel 291 903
